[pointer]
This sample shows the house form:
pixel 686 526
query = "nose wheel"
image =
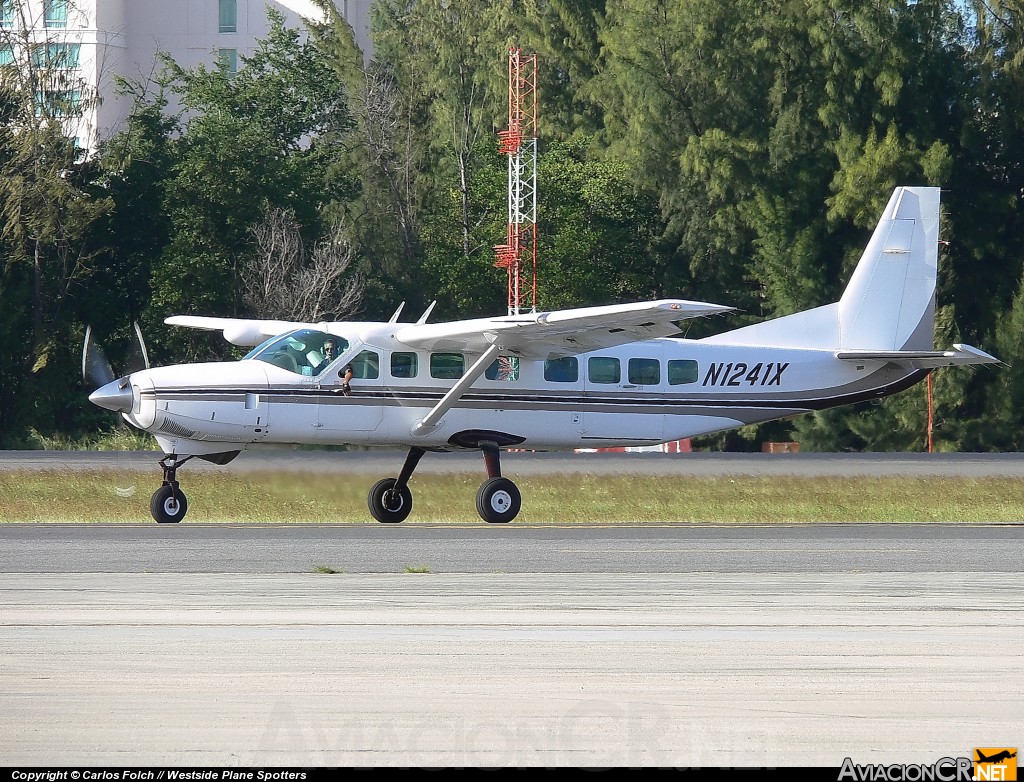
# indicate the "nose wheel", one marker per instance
pixel 168 504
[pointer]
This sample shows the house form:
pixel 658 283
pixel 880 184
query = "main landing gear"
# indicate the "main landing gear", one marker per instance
pixel 168 503
pixel 497 501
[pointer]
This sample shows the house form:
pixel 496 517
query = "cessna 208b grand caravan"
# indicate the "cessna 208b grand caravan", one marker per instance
pixel 589 377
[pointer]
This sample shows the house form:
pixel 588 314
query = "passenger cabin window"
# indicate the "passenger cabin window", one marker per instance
pixel 366 366
pixel 644 371
pixel 301 351
pixel 404 365
pixel 562 370
pixel 602 369
pixel 447 366
pixel 503 368
pixel 682 371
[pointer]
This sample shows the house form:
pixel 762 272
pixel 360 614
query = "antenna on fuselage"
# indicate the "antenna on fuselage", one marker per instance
pixel 425 315
pixel 394 318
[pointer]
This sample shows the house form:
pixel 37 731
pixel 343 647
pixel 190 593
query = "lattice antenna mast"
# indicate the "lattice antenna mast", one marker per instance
pixel 519 142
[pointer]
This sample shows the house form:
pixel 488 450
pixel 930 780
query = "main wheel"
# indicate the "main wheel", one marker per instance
pixel 387 505
pixel 168 507
pixel 498 501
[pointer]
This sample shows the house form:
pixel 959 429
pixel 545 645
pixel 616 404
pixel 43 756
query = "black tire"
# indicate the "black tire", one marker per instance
pixel 498 501
pixel 388 506
pixel 168 507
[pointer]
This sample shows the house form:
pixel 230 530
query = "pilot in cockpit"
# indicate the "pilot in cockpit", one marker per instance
pixel 330 353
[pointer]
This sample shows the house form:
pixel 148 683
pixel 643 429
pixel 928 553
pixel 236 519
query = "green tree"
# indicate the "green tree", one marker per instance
pixel 49 206
pixel 243 143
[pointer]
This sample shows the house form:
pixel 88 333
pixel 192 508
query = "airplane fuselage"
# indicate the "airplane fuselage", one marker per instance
pixel 591 377
pixel 636 394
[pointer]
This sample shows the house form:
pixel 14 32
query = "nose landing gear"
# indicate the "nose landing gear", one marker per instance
pixel 168 504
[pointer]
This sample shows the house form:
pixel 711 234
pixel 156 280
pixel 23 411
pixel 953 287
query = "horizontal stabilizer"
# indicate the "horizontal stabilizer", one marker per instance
pixel 922 359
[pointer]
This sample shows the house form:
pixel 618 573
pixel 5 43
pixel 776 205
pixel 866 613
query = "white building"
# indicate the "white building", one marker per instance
pixel 91 41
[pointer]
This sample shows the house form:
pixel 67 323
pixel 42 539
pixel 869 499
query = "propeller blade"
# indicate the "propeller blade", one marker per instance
pixel 138 356
pixel 96 369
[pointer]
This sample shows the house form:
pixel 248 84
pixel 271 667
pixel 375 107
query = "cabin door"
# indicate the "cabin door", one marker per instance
pixel 623 397
pixel 358 411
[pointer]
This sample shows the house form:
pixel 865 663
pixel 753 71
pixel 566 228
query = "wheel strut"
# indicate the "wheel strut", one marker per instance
pixel 492 459
pixel 415 454
pixel 170 464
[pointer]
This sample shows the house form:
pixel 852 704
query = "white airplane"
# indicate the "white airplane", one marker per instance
pixel 589 377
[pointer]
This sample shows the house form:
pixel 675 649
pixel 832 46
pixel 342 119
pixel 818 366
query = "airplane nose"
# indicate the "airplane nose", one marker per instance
pixel 116 396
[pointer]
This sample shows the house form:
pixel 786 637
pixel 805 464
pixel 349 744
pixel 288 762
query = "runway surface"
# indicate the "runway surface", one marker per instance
pixel 517 646
pixel 515 548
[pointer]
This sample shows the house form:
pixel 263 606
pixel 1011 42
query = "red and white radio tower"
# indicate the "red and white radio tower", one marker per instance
pixel 519 142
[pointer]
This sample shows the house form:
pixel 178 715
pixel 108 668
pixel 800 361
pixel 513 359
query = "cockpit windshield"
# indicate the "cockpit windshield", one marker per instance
pixel 305 351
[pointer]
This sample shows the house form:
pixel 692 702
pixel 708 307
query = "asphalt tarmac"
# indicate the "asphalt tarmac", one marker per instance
pixel 636 645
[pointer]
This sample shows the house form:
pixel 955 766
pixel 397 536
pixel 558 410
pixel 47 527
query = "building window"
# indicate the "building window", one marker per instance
pixel 229 16
pixel 403 365
pixel 604 370
pixel 55 13
pixel 58 103
pixel 562 370
pixel 227 60
pixel 447 366
pixel 57 56
pixel 6 13
pixel 644 371
pixel 6 55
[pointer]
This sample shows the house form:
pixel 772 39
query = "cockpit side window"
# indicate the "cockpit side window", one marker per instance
pixel 305 352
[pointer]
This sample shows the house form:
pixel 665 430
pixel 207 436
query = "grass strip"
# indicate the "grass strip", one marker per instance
pixel 113 496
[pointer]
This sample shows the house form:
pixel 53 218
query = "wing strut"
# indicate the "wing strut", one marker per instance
pixel 429 422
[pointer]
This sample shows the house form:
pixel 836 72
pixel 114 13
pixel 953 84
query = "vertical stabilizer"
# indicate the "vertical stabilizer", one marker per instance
pixel 890 301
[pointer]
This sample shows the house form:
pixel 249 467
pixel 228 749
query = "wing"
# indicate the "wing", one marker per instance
pixel 560 332
pixel 238 331
pixel 922 359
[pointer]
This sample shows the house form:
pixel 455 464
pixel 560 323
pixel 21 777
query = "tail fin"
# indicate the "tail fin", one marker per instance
pixel 890 301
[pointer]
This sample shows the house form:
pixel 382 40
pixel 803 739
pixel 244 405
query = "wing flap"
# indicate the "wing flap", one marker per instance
pixel 960 355
pixel 560 332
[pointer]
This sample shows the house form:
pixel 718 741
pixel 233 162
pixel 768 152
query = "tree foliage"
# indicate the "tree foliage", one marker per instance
pixel 734 152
